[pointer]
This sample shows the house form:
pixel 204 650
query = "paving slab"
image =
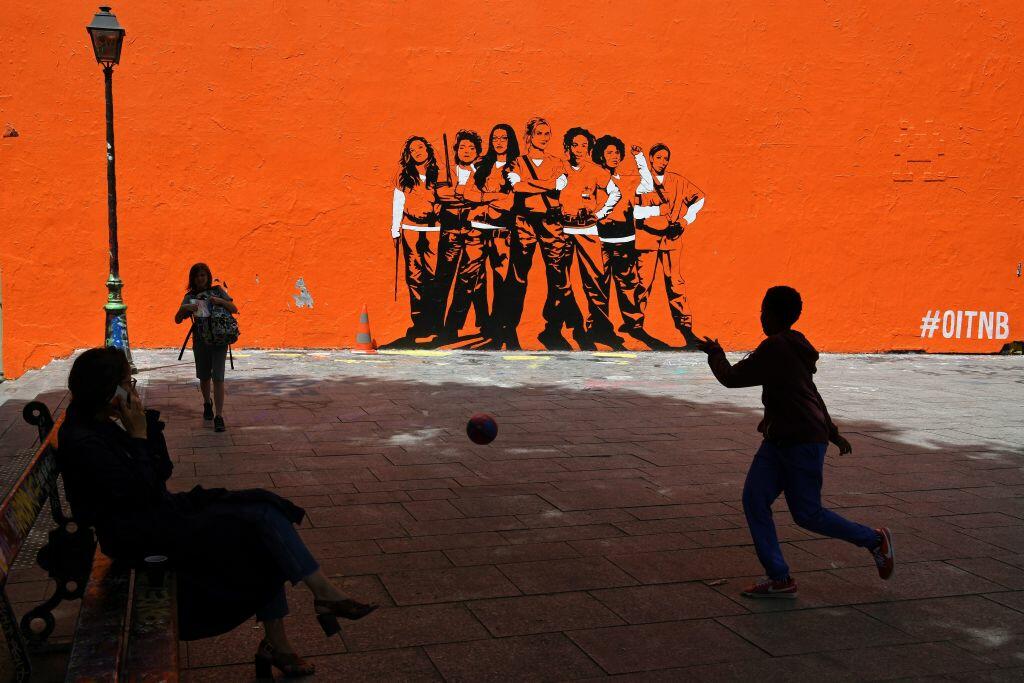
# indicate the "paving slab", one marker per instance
pixel 914 661
pixel 649 647
pixel 542 657
pixel 964 618
pixel 398 627
pixel 519 552
pixel 667 602
pixel 553 576
pixel 1013 599
pixel 543 613
pixel 994 570
pixel 813 630
pixel 447 585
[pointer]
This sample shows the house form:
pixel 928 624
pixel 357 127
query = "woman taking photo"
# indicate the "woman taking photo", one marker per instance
pixel 200 297
pixel 231 551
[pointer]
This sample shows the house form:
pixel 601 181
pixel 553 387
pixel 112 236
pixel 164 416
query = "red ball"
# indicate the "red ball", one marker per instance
pixel 482 429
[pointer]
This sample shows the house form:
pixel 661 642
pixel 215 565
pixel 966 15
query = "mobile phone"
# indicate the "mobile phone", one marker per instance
pixel 121 393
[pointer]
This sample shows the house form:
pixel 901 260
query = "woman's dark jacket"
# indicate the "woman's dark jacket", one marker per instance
pixel 117 484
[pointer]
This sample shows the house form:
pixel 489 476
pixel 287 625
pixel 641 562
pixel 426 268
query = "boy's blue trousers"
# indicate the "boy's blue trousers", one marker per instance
pixel 793 469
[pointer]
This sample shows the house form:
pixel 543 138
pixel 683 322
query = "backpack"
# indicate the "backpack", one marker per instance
pixel 219 329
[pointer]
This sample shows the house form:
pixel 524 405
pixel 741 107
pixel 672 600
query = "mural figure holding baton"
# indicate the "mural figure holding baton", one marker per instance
pixel 414 223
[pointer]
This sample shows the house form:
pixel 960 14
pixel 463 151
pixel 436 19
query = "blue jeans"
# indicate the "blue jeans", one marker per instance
pixel 795 470
pixel 287 549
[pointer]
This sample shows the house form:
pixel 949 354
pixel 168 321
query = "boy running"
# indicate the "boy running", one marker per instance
pixel 796 429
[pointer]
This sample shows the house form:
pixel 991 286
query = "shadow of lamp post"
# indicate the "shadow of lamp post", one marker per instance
pixel 107 37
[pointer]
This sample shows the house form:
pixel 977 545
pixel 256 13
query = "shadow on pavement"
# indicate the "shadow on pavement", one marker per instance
pixel 601 533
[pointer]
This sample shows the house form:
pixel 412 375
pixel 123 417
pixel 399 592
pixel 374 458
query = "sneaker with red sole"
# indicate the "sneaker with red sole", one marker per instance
pixel 885 554
pixel 768 588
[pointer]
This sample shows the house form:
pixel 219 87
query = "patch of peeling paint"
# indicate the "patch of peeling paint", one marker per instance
pixel 303 299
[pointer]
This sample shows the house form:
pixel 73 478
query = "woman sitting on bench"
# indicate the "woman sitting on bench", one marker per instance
pixel 232 551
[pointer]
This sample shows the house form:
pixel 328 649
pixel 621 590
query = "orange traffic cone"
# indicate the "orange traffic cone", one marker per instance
pixel 364 342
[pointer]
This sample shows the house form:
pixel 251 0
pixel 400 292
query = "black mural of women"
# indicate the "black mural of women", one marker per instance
pixel 478 223
pixel 415 227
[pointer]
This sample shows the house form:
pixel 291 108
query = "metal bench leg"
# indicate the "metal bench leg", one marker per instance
pixel 15 641
pixel 67 558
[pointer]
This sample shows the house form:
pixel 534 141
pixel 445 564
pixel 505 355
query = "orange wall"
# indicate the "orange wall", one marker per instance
pixel 263 138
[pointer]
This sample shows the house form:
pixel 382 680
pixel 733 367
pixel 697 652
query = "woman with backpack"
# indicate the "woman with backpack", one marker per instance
pixel 210 308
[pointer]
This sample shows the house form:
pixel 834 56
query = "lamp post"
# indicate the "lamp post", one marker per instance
pixel 107 37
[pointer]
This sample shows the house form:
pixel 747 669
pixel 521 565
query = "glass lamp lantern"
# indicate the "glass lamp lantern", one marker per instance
pixel 107 37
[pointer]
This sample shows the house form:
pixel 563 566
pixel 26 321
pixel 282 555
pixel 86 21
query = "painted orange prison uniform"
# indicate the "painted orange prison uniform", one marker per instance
pixel 678 200
pixel 487 244
pixel 618 250
pixel 494 220
pixel 460 247
pixel 583 184
pixel 415 223
pixel 560 307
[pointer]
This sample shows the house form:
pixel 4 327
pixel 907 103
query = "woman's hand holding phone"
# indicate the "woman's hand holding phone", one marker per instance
pixel 131 412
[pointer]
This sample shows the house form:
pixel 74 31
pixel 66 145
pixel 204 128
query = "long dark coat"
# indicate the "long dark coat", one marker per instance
pixel 117 484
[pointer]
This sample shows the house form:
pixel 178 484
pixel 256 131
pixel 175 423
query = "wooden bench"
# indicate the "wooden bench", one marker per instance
pixel 127 625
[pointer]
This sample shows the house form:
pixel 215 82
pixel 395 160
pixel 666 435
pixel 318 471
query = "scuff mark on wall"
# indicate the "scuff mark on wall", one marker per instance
pixel 303 298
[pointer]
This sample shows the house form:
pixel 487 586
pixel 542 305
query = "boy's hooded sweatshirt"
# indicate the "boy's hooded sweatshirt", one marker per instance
pixel 784 364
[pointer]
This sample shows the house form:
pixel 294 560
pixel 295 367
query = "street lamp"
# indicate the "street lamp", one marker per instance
pixel 107 37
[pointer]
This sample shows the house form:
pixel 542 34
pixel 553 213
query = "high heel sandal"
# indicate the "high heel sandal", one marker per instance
pixel 328 611
pixel 290 664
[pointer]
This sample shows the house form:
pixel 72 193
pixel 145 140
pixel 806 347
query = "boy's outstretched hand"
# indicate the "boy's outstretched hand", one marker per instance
pixel 844 445
pixel 709 345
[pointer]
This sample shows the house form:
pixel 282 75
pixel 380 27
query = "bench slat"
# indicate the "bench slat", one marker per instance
pixel 153 634
pixel 99 635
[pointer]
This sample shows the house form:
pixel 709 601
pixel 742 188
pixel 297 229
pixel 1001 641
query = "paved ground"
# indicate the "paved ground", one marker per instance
pixel 602 534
